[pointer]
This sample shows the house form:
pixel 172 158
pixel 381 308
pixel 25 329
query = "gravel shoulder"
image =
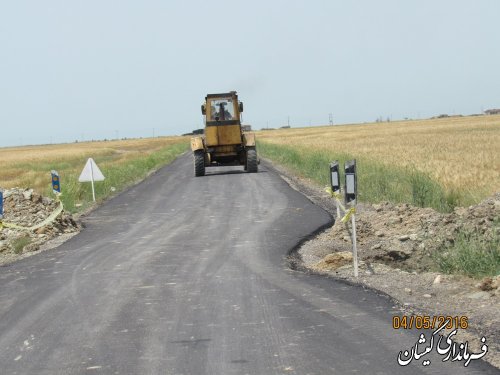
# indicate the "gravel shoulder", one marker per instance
pixel 394 246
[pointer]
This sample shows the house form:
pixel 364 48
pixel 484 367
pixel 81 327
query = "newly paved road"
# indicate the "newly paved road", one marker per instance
pixel 185 275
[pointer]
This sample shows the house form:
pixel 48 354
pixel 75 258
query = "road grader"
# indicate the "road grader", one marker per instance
pixel 223 142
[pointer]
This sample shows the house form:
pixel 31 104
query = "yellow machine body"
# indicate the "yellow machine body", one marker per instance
pixel 223 135
pixel 224 142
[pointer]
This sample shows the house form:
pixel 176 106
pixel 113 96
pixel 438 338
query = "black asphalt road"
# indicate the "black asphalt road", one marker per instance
pixel 185 275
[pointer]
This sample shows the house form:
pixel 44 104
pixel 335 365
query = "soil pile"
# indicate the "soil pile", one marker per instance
pixel 26 208
pixel 395 247
pixel 404 236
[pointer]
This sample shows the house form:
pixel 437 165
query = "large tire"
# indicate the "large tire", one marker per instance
pixel 199 163
pixel 252 163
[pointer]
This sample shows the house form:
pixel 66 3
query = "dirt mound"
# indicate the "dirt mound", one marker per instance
pixel 334 261
pixel 406 236
pixel 25 208
pixel 395 247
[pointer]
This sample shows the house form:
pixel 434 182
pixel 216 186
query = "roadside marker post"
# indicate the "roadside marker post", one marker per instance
pixel 91 173
pixel 354 248
pixel 56 182
pixel 350 199
pixel 350 182
pixel 350 193
pixel 335 182
pixel 1 207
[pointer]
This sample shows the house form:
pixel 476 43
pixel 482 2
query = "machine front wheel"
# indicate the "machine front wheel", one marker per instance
pixel 199 163
pixel 252 162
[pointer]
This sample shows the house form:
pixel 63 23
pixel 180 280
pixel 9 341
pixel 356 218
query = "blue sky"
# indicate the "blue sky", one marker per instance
pixel 97 69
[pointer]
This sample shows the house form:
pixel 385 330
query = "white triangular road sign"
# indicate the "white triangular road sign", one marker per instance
pixel 91 172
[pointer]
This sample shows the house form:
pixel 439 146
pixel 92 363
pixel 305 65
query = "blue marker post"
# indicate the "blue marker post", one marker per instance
pixel 56 183
pixel 1 206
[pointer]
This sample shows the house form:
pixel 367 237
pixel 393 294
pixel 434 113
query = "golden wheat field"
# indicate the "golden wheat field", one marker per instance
pixel 29 166
pixel 461 153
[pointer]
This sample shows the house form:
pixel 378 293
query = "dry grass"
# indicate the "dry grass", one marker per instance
pixel 34 154
pixel 30 166
pixel 461 153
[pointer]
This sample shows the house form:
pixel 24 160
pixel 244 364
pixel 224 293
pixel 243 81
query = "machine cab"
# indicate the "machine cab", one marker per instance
pixel 222 109
pixel 222 119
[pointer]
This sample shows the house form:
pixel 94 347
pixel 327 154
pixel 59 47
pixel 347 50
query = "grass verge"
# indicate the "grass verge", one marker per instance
pixel 376 182
pixel 77 196
pixel 19 243
pixel 471 254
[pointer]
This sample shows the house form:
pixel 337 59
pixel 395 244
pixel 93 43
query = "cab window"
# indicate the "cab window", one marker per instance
pixel 221 110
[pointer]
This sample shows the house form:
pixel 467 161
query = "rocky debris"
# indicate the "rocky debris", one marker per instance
pixel 437 280
pixel 26 208
pixel 395 258
pixel 405 243
pixel 335 260
pixel 404 236
pixel 490 283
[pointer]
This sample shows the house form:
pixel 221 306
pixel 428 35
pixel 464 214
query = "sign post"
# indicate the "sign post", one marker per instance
pixel 350 182
pixel 350 199
pixel 335 182
pixel 91 173
pixel 1 206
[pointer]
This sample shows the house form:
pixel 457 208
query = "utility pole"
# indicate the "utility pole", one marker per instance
pixel 153 132
pixel 330 118
pixel 288 121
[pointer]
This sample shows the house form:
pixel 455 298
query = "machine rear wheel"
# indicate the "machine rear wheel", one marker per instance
pixel 252 164
pixel 199 163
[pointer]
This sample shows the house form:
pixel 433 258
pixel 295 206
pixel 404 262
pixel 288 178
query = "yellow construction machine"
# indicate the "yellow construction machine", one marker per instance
pixel 224 143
